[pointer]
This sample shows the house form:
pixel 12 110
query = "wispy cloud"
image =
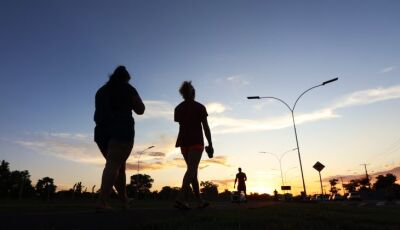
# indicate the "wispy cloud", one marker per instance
pixel 369 96
pixel 81 148
pixel 74 147
pixel 225 124
pixel 215 108
pixel 175 162
pixel 235 81
pixel 388 69
pixel 157 109
pixel 224 183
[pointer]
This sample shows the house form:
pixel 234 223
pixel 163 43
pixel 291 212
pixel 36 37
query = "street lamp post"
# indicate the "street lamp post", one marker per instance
pixel 279 158
pixel 286 172
pixel 137 177
pixel 294 123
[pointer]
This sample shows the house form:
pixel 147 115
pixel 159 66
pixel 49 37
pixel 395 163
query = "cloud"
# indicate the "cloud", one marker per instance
pixel 235 81
pixel 175 162
pixel 157 109
pixel 215 108
pixel 156 154
pixel 388 69
pixel 218 160
pixel 145 166
pixel 65 148
pixel 369 96
pixel 260 105
pixel 224 183
pixel 164 146
pixel 81 148
pixel 222 124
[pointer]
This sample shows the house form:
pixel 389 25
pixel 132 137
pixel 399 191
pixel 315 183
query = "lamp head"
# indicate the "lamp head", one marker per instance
pixel 329 81
pixel 253 97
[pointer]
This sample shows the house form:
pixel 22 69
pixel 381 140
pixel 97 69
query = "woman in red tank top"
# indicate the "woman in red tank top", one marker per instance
pixel 192 119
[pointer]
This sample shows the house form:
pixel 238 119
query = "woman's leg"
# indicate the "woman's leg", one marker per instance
pixel 192 160
pixel 118 152
pixel 195 187
pixel 120 183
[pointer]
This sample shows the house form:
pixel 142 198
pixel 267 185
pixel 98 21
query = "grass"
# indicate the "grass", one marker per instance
pixel 221 215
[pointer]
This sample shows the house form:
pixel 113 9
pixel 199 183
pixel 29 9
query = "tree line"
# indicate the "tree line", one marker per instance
pixel 385 186
pixel 18 185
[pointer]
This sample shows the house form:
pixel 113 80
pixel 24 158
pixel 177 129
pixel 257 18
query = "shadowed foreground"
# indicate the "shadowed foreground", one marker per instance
pixel 161 215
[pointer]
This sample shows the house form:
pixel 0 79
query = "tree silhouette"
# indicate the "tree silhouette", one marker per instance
pixel 78 188
pixel 16 184
pixel 45 187
pixel 365 184
pixel 333 183
pixel 383 182
pixel 139 183
pixel 209 189
pixel 20 184
pixel 169 193
pixel 352 185
pixel 4 178
pixel 225 195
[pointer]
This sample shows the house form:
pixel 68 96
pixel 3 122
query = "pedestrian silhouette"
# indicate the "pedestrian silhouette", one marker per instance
pixel 275 195
pixel 241 178
pixel 114 132
pixel 191 116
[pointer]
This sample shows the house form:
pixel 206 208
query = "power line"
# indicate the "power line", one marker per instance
pixel 381 156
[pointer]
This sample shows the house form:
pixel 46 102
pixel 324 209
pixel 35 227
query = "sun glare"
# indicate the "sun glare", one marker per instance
pixel 260 190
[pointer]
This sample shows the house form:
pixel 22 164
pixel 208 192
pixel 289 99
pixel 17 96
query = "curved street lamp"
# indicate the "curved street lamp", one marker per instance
pixel 286 172
pixel 294 123
pixel 279 158
pixel 137 180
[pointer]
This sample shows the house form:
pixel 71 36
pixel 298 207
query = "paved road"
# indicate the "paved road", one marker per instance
pixel 59 216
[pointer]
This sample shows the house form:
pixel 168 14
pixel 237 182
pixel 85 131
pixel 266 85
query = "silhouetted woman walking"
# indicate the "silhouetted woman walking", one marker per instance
pixel 114 132
pixel 192 118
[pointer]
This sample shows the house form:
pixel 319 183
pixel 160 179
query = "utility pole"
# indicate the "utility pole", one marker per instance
pixel 341 179
pixel 366 174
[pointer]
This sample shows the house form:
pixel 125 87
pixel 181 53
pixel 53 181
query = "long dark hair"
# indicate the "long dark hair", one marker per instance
pixel 119 76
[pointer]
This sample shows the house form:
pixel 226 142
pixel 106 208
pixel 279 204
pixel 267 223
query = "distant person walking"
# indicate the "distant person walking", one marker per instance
pixel 114 132
pixel 192 118
pixel 241 178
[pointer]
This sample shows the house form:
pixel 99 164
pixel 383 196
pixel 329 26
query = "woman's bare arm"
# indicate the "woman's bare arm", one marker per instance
pixel 207 132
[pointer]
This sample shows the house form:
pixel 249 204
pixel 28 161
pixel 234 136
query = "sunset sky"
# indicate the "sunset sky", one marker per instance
pixel 54 55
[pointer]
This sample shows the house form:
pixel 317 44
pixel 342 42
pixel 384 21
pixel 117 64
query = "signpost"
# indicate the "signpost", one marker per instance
pixel 318 166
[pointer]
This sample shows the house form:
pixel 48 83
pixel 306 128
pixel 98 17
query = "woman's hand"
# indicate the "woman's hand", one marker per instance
pixel 210 151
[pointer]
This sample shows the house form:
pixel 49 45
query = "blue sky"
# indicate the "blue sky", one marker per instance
pixel 55 55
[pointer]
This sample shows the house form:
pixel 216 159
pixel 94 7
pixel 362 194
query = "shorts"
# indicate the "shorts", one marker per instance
pixel 241 187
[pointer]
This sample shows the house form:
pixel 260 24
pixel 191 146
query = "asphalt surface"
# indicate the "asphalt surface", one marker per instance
pixel 59 216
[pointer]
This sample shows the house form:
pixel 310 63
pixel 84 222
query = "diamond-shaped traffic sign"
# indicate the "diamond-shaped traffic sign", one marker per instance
pixel 318 166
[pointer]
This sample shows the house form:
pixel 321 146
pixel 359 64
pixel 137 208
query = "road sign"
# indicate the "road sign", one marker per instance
pixel 318 166
pixel 286 188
